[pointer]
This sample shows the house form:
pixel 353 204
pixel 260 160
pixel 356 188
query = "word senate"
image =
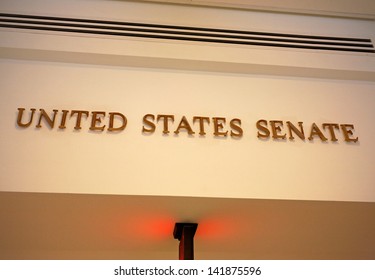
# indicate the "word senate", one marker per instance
pixel 168 124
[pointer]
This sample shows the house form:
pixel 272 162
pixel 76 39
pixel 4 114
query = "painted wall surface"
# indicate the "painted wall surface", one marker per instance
pixel 133 162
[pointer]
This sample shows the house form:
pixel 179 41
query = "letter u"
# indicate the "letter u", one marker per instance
pixel 19 118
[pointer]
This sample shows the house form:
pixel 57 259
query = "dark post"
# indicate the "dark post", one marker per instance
pixel 185 232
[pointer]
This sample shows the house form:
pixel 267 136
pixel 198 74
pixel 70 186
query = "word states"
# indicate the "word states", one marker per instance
pixel 220 127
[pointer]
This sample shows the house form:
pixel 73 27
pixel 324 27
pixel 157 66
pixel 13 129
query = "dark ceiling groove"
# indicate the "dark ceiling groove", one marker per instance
pixel 185 33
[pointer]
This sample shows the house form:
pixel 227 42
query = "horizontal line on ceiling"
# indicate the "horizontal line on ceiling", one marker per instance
pixel 185 33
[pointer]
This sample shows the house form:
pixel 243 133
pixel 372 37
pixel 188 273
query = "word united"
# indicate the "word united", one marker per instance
pixel 170 124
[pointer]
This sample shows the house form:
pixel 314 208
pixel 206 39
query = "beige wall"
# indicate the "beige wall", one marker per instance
pixel 138 77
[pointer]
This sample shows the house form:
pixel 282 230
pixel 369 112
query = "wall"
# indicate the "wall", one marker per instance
pixel 142 76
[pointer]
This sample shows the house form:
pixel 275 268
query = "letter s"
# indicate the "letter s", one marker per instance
pixel 235 125
pixel 149 123
pixel 263 129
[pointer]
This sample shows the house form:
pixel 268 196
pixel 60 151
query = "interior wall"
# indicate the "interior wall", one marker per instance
pixel 46 70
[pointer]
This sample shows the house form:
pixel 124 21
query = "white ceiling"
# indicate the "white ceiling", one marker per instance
pixel 77 226
pixel 344 8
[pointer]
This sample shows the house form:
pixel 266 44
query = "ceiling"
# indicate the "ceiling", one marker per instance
pixel 341 8
pixel 79 226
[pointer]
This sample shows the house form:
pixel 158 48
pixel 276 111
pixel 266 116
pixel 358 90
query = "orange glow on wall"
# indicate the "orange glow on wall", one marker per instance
pixel 143 227
pixel 218 228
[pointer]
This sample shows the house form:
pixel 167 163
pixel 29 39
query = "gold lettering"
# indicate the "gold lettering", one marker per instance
pixel 120 116
pixel 276 128
pixel 165 119
pixel 63 119
pixel 150 123
pixel 19 117
pixel 96 119
pixel 79 117
pixel 348 132
pixel 201 123
pixel 300 133
pixel 262 127
pixel 218 126
pixel 44 115
pixel 331 128
pixel 184 124
pixel 235 125
pixel 316 131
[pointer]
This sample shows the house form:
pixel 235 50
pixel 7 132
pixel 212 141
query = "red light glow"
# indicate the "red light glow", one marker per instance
pixel 220 228
pixel 145 227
